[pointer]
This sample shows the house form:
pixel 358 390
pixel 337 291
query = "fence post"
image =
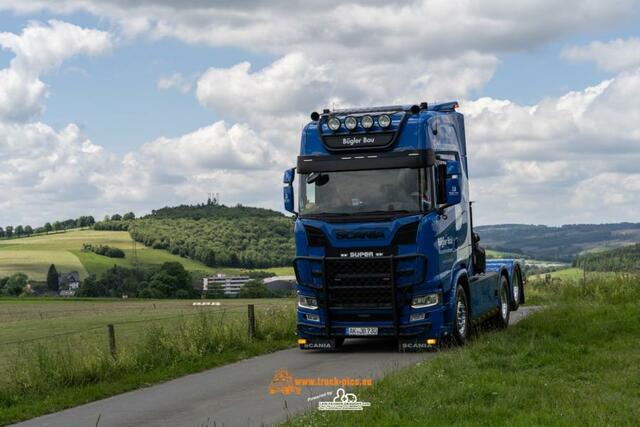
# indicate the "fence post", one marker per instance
pixel 251 317
pixel 112 340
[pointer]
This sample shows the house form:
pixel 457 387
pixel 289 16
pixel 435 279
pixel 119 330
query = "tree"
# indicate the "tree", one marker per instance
pixel 16 284
pixel 1 232
pixel 129 216
pixel 254 289
pixel 53 278
pixel 8 231
pixel 90 288
pixel 116 217
pixel 28 230
pixel 19 231
pixel 57 226
pixel 171 281
pixel 48 227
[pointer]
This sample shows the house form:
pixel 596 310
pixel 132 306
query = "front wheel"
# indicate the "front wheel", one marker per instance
pixel 501 320
pixel 461 324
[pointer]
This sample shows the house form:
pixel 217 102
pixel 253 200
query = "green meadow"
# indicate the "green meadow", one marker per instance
pixel 34 255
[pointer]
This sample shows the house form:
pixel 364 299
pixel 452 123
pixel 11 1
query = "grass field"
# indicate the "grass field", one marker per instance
pixel 34 255
pixel 54 353
pixel 574 363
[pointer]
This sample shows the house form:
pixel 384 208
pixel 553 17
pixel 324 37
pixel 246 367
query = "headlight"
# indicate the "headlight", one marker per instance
pixel 307 302
pixel 366 122
pixel 334 124
pixel 423 301
pixel 384 121
pixel 350 123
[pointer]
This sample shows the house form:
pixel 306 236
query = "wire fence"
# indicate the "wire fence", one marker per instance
pixel 233 310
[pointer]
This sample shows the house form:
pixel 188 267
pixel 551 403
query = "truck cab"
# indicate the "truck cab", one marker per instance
pixel 384 233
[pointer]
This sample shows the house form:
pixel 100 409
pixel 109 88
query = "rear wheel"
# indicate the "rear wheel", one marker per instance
pixel 501 320
pixel 516 286
pixel 461 323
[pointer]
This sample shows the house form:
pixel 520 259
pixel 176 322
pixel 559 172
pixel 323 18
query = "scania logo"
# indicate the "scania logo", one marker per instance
pixel 351 235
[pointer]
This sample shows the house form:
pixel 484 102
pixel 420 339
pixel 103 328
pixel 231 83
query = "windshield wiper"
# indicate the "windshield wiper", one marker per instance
pixel 394 212
pixel 332 214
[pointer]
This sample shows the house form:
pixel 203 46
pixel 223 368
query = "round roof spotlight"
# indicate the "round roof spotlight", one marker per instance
pixel 350 123
pixel 315 116
pixel 414 109
pixel 366 122
pixel 334 124
pixel 384 121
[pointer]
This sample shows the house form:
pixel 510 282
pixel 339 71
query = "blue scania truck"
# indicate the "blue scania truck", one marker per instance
pixel 385 245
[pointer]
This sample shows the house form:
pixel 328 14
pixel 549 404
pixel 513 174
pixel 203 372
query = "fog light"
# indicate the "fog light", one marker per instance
pixel 423 301
pixel 313 317
pixel 302 341
pixel 432 341
pixel 366 122
pixel 350 123
pixel 416 316
pixel 334 124
pixel 384 121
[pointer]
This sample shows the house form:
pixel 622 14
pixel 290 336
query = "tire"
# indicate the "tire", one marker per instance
pixel 516 292
pixel 501 320
pixel 461 323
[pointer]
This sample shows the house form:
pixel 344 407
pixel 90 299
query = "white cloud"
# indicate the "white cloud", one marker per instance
pixel 41 166
pixel 531 163
pixel 615 55
pixel 174 81
pixel 37 50
pixel 568 159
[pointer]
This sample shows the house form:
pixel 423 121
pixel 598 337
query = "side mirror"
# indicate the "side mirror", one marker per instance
pixel 453 191
pixel 287 190
pixel 289 176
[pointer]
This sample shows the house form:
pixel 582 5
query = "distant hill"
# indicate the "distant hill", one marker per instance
pixel 216 235
pixel 212 210
pixel 626 258
pixel 557 243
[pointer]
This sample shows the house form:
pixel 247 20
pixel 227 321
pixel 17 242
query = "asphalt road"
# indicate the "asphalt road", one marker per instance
pixel 238 394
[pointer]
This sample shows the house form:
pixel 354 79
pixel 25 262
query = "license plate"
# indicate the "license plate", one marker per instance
pixel 362 331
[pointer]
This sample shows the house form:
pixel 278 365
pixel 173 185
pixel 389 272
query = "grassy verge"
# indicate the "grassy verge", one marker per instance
pixel 574 363
pixel 43 377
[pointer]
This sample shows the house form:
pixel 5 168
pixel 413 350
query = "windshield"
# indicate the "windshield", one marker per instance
pixel 360 192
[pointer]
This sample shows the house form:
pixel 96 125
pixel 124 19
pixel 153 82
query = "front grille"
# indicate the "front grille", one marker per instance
pixel 359 283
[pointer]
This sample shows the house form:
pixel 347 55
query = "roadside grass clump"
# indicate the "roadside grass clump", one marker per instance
pixel 45 376
pixel 576 362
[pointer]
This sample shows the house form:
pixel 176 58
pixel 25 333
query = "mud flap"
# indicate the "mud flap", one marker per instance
pixel 317 344
pixel 413 346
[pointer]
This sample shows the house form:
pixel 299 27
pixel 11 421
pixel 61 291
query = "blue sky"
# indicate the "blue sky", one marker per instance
pixel 229 128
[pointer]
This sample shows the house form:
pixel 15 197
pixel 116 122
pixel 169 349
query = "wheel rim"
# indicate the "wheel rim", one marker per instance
pixel 516 289
pixel 461 320
pixel 504 304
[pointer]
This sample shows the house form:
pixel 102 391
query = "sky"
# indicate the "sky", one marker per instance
pixel 112 106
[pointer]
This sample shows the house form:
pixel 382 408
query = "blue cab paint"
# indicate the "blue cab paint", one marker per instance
pixel 363 270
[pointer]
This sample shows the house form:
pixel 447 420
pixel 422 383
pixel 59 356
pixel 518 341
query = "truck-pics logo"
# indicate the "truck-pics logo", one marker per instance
pixel 284 383
pixel 343 401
